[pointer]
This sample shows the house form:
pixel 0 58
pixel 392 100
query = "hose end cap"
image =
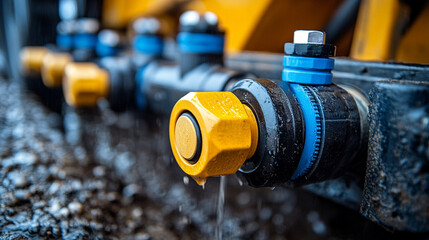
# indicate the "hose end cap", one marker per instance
pixel 85 84
pixel 31 60
pixel 212 134
pixel 53 66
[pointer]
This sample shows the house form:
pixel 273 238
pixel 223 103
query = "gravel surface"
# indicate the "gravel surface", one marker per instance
pixel 47 193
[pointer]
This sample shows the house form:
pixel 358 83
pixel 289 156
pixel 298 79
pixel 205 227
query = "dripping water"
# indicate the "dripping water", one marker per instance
pixel 220 208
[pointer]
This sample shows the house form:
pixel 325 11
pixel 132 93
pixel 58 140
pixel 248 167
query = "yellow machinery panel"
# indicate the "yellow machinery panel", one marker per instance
pixel 414 46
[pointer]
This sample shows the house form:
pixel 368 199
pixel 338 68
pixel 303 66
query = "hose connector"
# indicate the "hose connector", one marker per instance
pixel 85 84
pixel 53 66
pixel 31 60
pixel 212 134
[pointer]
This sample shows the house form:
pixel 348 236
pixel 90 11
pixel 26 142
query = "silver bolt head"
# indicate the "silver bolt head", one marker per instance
pixel 189 18
pixel 211 18
pixel 309 37
pixel 66 27
pixel 87 25
pixel 146 25
pixel 109 37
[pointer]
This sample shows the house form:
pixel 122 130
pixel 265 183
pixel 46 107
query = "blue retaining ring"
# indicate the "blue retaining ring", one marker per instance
pixel 148 44
pixel 200 42
pixel 313 129
pixel 104 50
pixel 64 41
pixel 307 70
pixel 85 41
pixel 141 101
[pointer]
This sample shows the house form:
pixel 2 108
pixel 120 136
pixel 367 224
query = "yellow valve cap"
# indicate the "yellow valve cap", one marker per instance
pixel 31 60
pixel 53 66
pixel 212 134
pixel 84 84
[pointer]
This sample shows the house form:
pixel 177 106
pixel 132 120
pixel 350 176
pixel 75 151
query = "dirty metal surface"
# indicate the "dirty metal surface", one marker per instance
pixel 397 178
pixel 112 177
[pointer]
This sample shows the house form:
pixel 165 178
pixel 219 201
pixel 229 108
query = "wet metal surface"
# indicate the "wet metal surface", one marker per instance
pixel 397 179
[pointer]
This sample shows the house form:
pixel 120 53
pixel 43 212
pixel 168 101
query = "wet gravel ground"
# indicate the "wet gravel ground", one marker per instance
pixel 49 193
pixel 111 176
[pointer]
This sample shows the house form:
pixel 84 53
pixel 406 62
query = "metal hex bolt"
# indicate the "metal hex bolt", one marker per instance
pixel 146 25
pixel 309 37
pixel 109 37
pixel 66 27
pixel 211 18
pixel 87 25
pixel 189 18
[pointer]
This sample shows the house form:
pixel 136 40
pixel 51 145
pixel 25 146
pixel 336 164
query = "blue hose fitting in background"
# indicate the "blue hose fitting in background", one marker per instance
pixel 85 41
pixel 148 44
pixel 200 42
pixel 65 41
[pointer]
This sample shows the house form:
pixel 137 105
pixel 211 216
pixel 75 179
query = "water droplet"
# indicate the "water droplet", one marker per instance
pixel 240 182
pixel 220 208
pixel 186 180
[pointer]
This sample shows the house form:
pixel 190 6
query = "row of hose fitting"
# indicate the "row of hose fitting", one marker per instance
pixel 201 66
pixel 156 84
pixel 47 65
pixel 300 130
pixel 77 41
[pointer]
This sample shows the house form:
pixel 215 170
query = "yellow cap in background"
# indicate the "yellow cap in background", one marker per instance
pixel 84 84
pixel 53 67
pixel 31 60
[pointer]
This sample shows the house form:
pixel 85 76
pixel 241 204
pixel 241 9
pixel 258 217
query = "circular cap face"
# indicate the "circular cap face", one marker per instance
pixel 186 135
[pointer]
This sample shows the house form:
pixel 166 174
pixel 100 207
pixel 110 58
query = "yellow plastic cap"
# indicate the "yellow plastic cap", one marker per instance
pixel 84 84
pixel 53 66
pixel 212 134
pixel 31 60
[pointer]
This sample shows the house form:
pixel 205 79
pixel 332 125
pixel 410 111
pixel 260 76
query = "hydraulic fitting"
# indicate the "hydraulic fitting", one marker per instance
pixel 53 66
pixel 307 59
pixel 309 130
pixel 85 84
pixel 148 39
pixel 32 66
pixel 201 145
pixel 65 34
pixel 86 33
pixel 109 43
pixel 85 39
pixel 120 72
pixel 32 59
pixel 200 41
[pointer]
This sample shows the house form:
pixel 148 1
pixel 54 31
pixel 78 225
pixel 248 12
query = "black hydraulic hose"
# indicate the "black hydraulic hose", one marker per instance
pixel 344 17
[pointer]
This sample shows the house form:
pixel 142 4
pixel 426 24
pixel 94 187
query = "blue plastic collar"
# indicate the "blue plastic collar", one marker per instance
pixel 313 129
pixel 307 70
pixel 85 41
pixel 148 44
pixel 104 50
pixel 200 42
pixel 65 41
